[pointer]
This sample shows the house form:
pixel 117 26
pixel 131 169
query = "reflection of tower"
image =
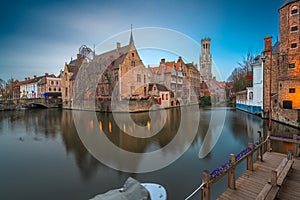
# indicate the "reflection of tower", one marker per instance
pixel 205 60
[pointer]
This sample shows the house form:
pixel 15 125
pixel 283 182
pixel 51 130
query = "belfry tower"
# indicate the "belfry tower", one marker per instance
pixel 205 60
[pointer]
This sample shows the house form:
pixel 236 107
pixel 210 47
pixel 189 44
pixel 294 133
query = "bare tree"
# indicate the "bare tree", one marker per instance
pixel 239 75
pixel 2 88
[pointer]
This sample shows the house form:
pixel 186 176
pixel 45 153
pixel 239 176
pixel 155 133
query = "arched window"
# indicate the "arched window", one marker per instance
pixel 50 89
pixel 294 10
pixel 163 97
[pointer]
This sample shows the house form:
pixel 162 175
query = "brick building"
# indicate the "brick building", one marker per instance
pixel 68 76
pixel 183 79
pixel 125 75
pixel 49 86
pixel 282 68
pixel 169 75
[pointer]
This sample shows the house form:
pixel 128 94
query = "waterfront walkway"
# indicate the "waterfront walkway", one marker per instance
pixel 251 183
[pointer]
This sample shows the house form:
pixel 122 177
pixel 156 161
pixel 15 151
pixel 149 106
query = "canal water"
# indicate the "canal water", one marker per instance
pixel 43 156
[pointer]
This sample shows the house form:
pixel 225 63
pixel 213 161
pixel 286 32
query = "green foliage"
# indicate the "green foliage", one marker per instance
pixel 205 101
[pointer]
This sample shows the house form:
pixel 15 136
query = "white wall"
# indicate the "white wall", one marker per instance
pixel 258 84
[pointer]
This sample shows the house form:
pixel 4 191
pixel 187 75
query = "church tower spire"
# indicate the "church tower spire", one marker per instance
pixel 131 37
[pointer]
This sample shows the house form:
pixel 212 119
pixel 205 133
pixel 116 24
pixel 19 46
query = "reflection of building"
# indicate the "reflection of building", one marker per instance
pixel 205 60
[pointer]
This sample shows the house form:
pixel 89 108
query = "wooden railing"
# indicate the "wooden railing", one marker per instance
pixel 229 168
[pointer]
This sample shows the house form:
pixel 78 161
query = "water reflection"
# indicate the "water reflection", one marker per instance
pixel 51 154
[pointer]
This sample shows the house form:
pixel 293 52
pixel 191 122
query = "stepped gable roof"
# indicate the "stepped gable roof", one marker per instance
pixel 286 2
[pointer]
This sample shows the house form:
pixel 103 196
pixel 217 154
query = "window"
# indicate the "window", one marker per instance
pixel 154 88
pixel 66 92
pixel 138 78
pixel 116 76
pixel 132 63
pixel 294 28
pixel 132 89
pixel 50 89
pixel 56 82
pixel 287 104
pixel 54 89
pixel 167 97
pixel 163 97
pixel 52 82
pixel 292 90
pixel 144 78
pixel 292 65
pixel 132 54
pixel 102 90
pixel 294 10
pixel 59 89
pixel 294 45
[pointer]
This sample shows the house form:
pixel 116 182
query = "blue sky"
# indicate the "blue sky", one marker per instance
pixel 40 36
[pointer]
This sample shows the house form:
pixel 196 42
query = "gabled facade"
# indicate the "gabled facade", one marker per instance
pixel 125 75
pixel 68 76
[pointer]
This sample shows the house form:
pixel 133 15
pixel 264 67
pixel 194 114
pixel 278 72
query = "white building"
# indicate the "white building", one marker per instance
pixel 29 87
pixel 251 99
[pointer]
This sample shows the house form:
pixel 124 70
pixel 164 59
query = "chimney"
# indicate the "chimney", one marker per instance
pixel 46 74
pixel 118 45
pixel 268 43
pixel 163 61
pixel 25 78
pixel 34 76
pixel 28 78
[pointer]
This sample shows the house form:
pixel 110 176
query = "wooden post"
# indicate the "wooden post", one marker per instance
pixel 268 143
pixel 250 158
pixel 205 190
pixel 261 139
pixel 231 173
pixel 296 146
pixel 274 178
pixel 289 155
